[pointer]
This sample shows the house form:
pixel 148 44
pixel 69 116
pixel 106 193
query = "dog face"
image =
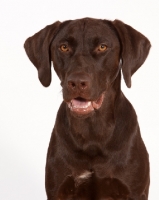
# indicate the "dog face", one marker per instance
pixel 86 55
pixel 81 55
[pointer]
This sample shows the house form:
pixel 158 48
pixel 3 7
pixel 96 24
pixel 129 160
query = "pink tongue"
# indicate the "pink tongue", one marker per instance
pixel 80 104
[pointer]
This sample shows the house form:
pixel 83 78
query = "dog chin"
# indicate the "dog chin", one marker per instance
pixel 81 107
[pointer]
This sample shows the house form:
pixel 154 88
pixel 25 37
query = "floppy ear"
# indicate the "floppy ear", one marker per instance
pixel 135 48
pixel 37 48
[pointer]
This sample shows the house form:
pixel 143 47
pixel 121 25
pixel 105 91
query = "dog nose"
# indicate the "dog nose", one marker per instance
pixel 77 82
pixel 80 84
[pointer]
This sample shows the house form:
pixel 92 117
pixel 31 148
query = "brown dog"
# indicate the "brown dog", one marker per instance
pixel 96 151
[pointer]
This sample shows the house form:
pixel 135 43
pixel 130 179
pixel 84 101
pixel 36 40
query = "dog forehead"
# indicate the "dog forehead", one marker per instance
pixel 86 28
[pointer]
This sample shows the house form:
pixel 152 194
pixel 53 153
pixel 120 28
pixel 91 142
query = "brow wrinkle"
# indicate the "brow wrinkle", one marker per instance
pixel 84 26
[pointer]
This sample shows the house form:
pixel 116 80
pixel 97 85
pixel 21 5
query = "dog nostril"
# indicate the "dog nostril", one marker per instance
pixel 71 84
pixel 83 85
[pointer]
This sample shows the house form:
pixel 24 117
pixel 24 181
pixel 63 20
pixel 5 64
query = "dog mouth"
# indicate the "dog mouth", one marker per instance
pixel 82 106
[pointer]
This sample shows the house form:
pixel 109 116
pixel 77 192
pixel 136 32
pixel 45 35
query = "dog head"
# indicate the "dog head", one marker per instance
pixel 87 56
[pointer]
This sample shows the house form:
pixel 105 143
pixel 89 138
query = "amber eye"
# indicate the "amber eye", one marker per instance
pixel 64 48
pixel 102 47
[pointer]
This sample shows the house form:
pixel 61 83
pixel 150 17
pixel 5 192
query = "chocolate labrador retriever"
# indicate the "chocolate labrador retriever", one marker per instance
pixel 96 151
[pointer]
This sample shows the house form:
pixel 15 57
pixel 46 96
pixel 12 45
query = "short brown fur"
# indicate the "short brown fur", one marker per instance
pixel 105 142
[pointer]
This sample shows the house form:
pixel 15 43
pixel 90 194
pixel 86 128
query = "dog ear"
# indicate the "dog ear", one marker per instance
pixel 135 48
pixel 37 48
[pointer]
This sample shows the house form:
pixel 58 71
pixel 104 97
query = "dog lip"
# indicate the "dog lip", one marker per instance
pixel 82 106
pixel 97 104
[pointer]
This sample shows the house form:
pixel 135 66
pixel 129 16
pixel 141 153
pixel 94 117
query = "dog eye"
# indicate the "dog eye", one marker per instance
pixel 64 48
pixel 102 47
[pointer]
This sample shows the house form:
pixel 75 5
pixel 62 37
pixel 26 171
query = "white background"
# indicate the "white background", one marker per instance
pixel 28 110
